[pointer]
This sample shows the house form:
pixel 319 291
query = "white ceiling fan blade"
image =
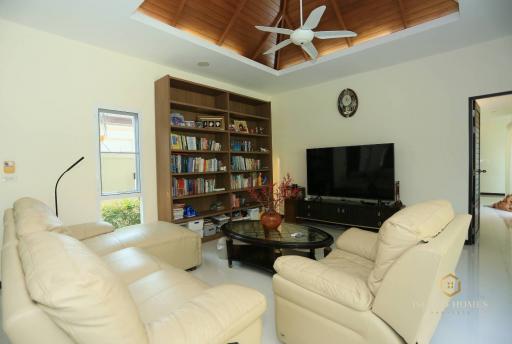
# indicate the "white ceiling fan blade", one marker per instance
pixel 314 18
pixel 278 46
pixel 310 49
pixel 334 34
pixel 274 29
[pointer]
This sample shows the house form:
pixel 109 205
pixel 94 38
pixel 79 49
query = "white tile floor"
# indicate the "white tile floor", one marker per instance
pixel 483 315
pixel 486 274
pixel 216 271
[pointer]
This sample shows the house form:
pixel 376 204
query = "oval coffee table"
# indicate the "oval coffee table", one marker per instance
pixel 259 247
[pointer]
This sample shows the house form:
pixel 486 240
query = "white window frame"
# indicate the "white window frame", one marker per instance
pixel 138 193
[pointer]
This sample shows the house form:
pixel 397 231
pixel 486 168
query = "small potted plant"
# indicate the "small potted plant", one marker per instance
pixel 271 197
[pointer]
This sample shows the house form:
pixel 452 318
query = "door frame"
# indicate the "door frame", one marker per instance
pixel 473 235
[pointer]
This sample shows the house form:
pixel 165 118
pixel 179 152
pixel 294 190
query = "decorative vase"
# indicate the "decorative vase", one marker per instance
pixel 271 219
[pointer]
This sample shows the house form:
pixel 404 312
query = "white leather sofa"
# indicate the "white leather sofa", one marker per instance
pixel 373 288
pixel 57 289
pixel 169 242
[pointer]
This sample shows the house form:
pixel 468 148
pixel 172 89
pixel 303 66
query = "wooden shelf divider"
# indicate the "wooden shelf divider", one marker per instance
pixel 198 173
pixel 201 130
pixel 193 100
pixel 187 151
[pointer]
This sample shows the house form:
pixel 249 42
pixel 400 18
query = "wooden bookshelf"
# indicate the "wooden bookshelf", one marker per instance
pixel 193 100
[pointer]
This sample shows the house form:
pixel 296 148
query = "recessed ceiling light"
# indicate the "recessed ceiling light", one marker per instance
pixel 203 64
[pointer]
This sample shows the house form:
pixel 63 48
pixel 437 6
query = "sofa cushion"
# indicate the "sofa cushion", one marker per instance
pixel 132 263
pixel 169 242
pixel 77 290
pixel 160 293
pixel 358 241
pixel 333 282
pixel 405 229
pixel 32 215
pixel 349 263
pixel 222 314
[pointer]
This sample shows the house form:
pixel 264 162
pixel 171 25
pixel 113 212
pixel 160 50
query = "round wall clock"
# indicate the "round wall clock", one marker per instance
pixel 347 102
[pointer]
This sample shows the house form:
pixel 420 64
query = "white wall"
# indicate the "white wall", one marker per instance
pixel 421 106
pixel 50 89
pixel 493 152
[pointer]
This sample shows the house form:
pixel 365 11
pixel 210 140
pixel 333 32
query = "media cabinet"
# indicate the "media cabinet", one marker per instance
pixel 345 213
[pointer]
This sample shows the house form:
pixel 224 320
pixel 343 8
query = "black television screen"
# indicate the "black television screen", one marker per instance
pixel 354 172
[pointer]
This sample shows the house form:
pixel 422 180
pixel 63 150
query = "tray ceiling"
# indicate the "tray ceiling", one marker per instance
pixel 230 23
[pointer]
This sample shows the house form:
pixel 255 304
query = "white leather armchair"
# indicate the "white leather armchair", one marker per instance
pixel 373 288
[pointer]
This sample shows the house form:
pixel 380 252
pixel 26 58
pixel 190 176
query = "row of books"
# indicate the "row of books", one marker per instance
pixel 241 146
pixel 184 142
pixel 241 181
pixel 192 186
pixel 239 163
pixel 187 164
pixel 177 211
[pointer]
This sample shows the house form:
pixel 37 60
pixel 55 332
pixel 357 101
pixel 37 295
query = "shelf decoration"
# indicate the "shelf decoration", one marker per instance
pixel 271 197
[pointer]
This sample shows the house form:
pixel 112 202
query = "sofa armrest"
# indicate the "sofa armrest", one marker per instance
pixel 215 316
pixel 319 278
pixel 88 230
pixel 360 242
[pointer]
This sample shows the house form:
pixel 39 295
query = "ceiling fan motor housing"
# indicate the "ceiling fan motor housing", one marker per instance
pixel 301 36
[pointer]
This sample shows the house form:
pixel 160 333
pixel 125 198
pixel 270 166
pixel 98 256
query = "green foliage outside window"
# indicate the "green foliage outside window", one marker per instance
pixel 121 213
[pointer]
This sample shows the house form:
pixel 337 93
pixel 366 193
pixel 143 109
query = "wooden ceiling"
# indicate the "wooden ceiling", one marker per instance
pixel 230 23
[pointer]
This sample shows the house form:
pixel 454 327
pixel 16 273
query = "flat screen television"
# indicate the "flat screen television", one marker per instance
pixel 366 172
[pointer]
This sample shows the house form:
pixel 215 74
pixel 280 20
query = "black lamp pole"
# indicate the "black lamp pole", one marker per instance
pixel 58 180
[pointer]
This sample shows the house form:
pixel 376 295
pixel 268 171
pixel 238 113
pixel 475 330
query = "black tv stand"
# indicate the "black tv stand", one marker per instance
pixel 369 202
pixel 348 213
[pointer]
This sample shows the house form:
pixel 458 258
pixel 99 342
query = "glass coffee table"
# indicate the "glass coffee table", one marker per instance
pixel 259 247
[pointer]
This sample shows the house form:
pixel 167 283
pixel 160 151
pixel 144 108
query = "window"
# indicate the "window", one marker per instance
pixel 119 167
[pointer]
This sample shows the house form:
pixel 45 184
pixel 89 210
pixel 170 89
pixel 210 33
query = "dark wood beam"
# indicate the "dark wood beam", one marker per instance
pixel 277 54
pixel 290 22
pixel 233 19
pixel 178 13
pixel 259 47
pixel 337 11
pixel 402 13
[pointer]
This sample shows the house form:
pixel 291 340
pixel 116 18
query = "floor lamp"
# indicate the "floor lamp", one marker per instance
pixel 58 180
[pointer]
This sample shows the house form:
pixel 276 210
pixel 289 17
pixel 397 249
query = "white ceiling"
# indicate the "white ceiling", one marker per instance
pixel 113 24
pixel 496 106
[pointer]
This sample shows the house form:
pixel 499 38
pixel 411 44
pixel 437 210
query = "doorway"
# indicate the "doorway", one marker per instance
pixel 490 154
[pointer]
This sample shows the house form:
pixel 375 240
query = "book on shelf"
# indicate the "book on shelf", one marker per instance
pixel 190 164
pixel 241 146
pixel 241 181
pixel 192 143
pixel 178 211
pixel 240 163
pixel 238 202
pixel 192 186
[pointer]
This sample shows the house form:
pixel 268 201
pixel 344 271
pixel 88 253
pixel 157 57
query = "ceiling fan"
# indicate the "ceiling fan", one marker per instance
pixel 303 35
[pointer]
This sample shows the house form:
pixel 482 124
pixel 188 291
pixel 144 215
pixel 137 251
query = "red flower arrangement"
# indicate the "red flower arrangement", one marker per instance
pixel 271 197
